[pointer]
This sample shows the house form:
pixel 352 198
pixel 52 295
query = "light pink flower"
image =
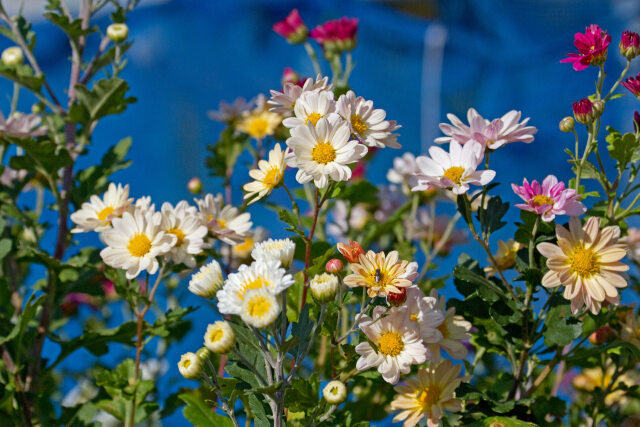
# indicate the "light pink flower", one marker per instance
pixel 21 125
pixel 549 199
pixel 592 47
pixel 491 134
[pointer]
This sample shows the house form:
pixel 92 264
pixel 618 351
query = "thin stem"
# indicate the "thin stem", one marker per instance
pixel 213 382
pixel 314 58
pixel 615 85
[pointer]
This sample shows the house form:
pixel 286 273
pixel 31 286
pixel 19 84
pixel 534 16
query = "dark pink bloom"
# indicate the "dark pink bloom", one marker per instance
pixel 592 45
pixel 583 111
pixel 290 76
pixel 339 34
pixel 549 199
pixel 292 28
pixel 629 45
pixel 633 84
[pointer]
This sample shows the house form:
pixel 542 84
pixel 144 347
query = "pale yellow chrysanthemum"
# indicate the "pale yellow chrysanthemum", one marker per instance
pixel 591 378
pixel 190 366
pixel 380 273
pixel 429 395
pixel 260 308
pixel 630 331
pixel 505 257
pixel 335 392
pixel 259 123
pixel 219 337
pixel 587 262
pixel 453 331
pixel 267 177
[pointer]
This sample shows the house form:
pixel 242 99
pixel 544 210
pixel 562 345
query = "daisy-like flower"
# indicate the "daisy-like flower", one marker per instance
pixel 280 250
pixel 429 394
pixel 404 167
pixel 586 261
pixel 190 366
pixel 454 329
pixel 260 274
pixel 225 223
pixel 260 308
pixel 134 243
pixel 549 199
pixel 380 273
pixel 367 123
pixel 207 281
pixel 421 309
pixel 229 112
pixel 21 125
pixel 629 44
pixel 323 151
pixel 310 107
pixel 219 337
pixel 284 102
pixel 590 378
pixel 339 34
pixel 144 205
pixel 491 134
pixel 242 251
pixel 334 392
pixel 455 170
pixel 183 222
pixel 397 340
pixel 351 251
pixel 633 85
pixel 630 331
pixel 259 123
pixel 505 257
pixel 592 47
pixel 268 176
pixel 96 215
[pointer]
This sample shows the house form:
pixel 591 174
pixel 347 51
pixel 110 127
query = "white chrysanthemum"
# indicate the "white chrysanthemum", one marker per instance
pixel 228 112
pixel 455 170
pixel 323 151
pixel 219 337
pixel 260 308
pixel 207 281
pixel 144 205
pixel 397 340
pixel 97 214
pixel 311 107
pixel 183 222
pixel 324 287
pixel 190 366
pixel 259 123
pixel 284 102
pixel 453 330
pixel 334 392
pixel 404 167
pixel 209 207
pixel 225 223
pixel 367 123
pixel 242 252
pixel 275 249
pixel 135 241
pixel 268 176
pixel 422 310
pixel 258 275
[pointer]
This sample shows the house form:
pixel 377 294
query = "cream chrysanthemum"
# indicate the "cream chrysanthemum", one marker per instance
pixel 284 102
pixel 379 273
pixel 323 151
pixel 134 243
pixel 311 107
pixel 190 366
pixel 219 337
pixel 268 176
pixel 334 392
pixel 260 274
pixel 453 330
pixel 397 340
pixel 96 215
pixel 505 257
pixel 324 287
pixel 587 262
pixel 144 205
pixel 225 223
pixel 367 123
pixel 260 308
pixel 281 250
pixel 183 222
pixel 429 394
pixel 207 281
pixel 259 123
pixel 422 310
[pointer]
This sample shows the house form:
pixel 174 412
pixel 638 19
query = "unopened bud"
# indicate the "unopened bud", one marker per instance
pixel 195 185
pixel 335 392
pixel 352 251
pixel 324 287
pixel 203 354
pixel 12 56
pixel 598 108
pixel 567 124
pixel 583 111
pixel 630 45
pixel 602 335
pixel 37 108
pixel 118 33
pixel 190 366
pixel 397 299
pixel 333 266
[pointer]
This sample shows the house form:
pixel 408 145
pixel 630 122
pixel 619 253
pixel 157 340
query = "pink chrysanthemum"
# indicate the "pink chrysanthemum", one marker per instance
pixel 549 199
pixel 629 45
pixel 633 84
pixel 339 34
pixel 592 45
pixel 292 28
pixel 583 111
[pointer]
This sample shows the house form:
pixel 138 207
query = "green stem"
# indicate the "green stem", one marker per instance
pixel 314 58
pixel 615 85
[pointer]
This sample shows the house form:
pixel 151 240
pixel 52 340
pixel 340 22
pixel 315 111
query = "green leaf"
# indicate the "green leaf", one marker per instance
pixel 491 217
pixel 73 28
pixel 623 148
pixel 23 75
pixel 501 422
pixel 106 97
pixel 5 247
pixel 301 330
pixel 200 414
pixel 290 219
pixel 45 157
pixel 258 412
pixel 226 151
pixel 302 394
pixel 28 313
pixel 561 327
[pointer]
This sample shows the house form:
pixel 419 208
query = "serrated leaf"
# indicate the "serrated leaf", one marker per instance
pixel 561 327
pixel 200 414
pixel 106 97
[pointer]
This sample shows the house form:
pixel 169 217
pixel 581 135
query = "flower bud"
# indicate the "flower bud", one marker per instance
pixel 203 354
pixel 335 392
pixel 567 124
pixel 207 281
pixel 583 111
pixel 602 335
pixel 219 337
pixel 118 33
pixel 352 251
pixel 633 85
pixel 195 185
pixel 292 28
pixel 397 299
pixel 281 250
pixel 12 56
pixel 37 108
pixel 190 366
pixel 629 45
pixel 333 266
pixel 598 108
pixel 290 76
pixel 324 287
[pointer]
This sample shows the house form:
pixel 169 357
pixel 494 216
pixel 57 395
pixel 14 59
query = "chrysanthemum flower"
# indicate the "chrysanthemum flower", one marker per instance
pixel 310 107
pixel 190 366
pixel 96 215
pixel 324 287
pixel 339 34
pixel 397 340
pixel 334 392
pixel 259 123
pixel 260 308
pixel 229 112
pixel 630 331
pixel 422 310
pixel 284 102
pixel 225 223
pixel 367 123
pixel 404 167
pixel 292 28
pixel 505 257
pixel 219 337
pixel 429 395
pixel 280 250
pixel 144 205
pixel 633 84
pixel 433 230
pixel 629 44
pixel 350 251
pixel 583 111
pixel 242 251
pixel 135 242
pixel 347 218
pixel 454 330
pixel 379 273
pixel 268 176
pixel 592 47
pixel 260 274
pixel 323 151
pixel 549 199
pixel 590 378
pixel 207 281
pixel 20 125
pixel 587 262
pixel 455 170
pixel 183 222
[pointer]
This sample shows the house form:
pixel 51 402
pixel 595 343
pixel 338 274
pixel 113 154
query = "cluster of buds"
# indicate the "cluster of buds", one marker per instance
pixel 292 28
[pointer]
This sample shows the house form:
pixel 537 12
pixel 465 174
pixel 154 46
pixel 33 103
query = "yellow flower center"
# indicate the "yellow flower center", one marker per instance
pixel 244 246
pixel 454 173
pixel 222 223
pixel 323 153
pixel 334 390
pixel 313 118
pixel 216 335
pixel 258 283
pixel 273 177
pixel 104 213
pixel 358 125
pixel 444 330
pixel 186 363
pixel 139 245
pixel 429 395
pixel 259 306
pixel 540 200
pixel 584 262
pixel 413 317
pixel 179 234
pixel 390 344
pixel 258 128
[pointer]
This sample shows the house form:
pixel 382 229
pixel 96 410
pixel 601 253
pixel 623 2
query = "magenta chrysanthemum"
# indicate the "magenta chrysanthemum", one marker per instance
pixel 583 111
pixel 549 199
pixel 633 84
pixel 629 45
pixel 592 47
pixel 339 34
pixel 292 28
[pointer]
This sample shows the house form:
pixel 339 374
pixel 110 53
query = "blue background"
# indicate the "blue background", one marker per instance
pixel 189 55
